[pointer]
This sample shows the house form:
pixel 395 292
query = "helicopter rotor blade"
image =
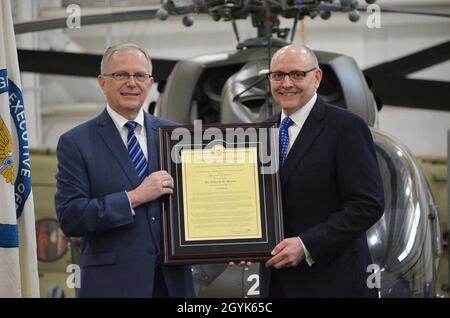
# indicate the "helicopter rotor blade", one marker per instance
pixel 60 23
pixel 147 14
pixel 407 11
pixel 363 8
pixel 81 64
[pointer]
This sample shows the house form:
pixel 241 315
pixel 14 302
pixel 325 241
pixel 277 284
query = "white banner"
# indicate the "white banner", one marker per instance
pixel 18 259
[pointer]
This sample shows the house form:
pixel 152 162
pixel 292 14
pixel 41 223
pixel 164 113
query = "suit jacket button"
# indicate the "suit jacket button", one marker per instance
pixel 153 218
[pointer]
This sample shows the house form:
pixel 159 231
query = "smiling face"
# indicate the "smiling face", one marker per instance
pixel 290 95
pixel 126 96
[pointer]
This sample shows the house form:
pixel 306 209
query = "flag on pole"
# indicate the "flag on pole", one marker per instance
pixel 18 260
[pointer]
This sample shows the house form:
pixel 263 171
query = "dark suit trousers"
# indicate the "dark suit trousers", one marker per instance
pixel 159 285
pixel 276 289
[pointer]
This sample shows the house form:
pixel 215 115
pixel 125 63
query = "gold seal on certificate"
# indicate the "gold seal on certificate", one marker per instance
pixel 226 200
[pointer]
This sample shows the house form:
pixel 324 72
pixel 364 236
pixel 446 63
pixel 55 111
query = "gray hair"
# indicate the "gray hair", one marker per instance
pixel 123 47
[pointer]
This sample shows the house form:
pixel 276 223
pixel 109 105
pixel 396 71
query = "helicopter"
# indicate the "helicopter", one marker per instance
pixel 231 87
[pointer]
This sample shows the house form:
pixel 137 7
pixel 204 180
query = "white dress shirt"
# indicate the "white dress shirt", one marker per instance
pixel 299 118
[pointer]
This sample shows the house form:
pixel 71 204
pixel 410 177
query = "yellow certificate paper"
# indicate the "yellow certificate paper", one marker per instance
pixel 221 193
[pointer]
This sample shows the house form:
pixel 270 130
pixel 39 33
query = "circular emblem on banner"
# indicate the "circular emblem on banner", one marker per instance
pixel 6 160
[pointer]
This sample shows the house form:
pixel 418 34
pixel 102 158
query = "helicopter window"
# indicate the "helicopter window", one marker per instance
pixel 389 176
pixel 402 209
pixel 52 244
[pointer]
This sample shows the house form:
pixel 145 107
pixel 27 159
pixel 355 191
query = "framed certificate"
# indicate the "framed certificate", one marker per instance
pixel 226 202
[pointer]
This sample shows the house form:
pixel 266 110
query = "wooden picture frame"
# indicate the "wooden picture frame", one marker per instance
pixel 226 203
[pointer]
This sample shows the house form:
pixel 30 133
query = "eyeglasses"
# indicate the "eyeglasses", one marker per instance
pixel 122 76
pixel 295 76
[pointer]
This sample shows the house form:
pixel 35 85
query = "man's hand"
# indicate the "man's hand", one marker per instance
pixel 155 185
pixel 288 253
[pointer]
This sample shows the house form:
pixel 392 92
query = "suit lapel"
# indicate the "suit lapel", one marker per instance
pixel 152 142
pixel 108 131
pixel 154 207
pixel 305 139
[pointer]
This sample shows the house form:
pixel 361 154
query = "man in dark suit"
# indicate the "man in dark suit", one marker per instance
pixel 109 187
pixel 331 188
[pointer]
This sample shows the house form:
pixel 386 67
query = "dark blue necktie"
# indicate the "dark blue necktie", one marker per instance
pixel 135 151
pixel 284 138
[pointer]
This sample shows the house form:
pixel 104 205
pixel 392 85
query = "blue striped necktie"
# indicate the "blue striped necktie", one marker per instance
pixel 284 138
pixel 135 151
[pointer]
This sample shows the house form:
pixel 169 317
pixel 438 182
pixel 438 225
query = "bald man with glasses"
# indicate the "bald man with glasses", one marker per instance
pixel 331 188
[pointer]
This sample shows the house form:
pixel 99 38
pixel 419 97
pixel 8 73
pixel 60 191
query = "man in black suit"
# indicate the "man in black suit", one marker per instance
pixel 331 188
